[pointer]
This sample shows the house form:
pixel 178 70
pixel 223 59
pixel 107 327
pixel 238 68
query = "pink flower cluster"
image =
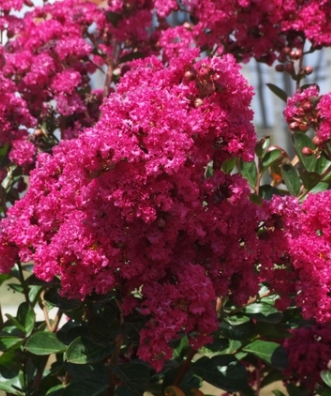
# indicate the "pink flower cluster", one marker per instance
pixel 310 250
pixel 309 352
pixel 125 206
pixel 307 109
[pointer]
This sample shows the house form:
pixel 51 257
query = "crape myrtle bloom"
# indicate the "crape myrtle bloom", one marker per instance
pixel 126 206
pixel 310 250
pixel 309 352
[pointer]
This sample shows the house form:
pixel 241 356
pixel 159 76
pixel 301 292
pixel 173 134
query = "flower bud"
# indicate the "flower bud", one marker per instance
pixel 308 70
pixel 161 223
pixel 317 141
pixel 303 127
pixel 307 151
pixel 198 102
pixel 188 75
pixel 204 71
pixel 296 54
pixel 307 106
pixel 280 68
pixel 294 126
pixel 289 68
pixel 286 50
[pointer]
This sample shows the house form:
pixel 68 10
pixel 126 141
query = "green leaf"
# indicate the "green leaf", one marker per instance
pixel 300 390
pixel 134 375
pixel 52 297
pixel 11 385
pixel 228 165
pixel 291 179
pixel 319 187
pixel 278 91
pixel 237 332
pixel 84 388
pixel 256 199
pixel 301 140
pixel 27 317
pixel 267 192
pixel 248 171
pixel 261 146
pixel 270 352
pixel 55 391
pixel 99 331
pixel 44 343
pixel 278 393
pixel 94 372
pixel 271 330
pixel 218 344
pixel 264 313
pixel 9 342
pixel 84 351
pixel 326 377
pixel 270 157
pixel 222 371
pixel 4 278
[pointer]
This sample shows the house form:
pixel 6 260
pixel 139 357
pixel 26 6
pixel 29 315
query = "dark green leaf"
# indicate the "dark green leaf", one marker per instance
pixel 84 388
pixel 255 199
pixel 278 91
pixel 291 179
pixel 272 331
pixel 270 157
pixel 27 317
pixel 134 375
pixel 309 179
pixel 84 351
pixel 228 165
pixel 218 344
pixel 267 192
pixel 8 342
pixel 270 352
pixel 44 343
pixel 301 140
pixel 52 297
pixel 237 332
pixel 248 171
pixel 223 371
pixel 4 278
pixel 261 146
pixel 264 313
pixel 96 372
pixel 99 331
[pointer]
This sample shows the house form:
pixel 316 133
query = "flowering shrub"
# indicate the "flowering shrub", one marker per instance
pixel 139 207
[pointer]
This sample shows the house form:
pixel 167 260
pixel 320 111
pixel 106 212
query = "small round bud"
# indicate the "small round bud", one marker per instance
pixel 204 71
pixel 280 68
pixel 307 151
pixel 296 54
pixel 308 70
pixel 289 68
pixel 294 126
pixel 317 141
pixel 281 58
pixel 161 223
pixel 286 50
pixel 307 107
pixel 187 25
pixel 188 75
pixel 198 102
pixel 303 127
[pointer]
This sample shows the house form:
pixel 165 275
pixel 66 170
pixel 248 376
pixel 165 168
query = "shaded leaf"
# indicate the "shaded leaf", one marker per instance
pixel 134 375
pixel 278 91
pixel 291 179
pixel 248 171
pixel 84 351
pixel 270 352
pixel 223 371
pixel 264 313
pixel 44 343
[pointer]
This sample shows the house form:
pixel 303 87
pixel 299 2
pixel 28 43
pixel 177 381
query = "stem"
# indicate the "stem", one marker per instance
pixel 1 319
pixel 44 307
pixel 56 320
pixel 109 76
pixel 39 374
pixel 184 367
pixel 300 70
pixel 25 289
pixel 113 361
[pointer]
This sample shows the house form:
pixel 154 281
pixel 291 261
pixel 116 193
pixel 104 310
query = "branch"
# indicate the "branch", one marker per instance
pixel 184 367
